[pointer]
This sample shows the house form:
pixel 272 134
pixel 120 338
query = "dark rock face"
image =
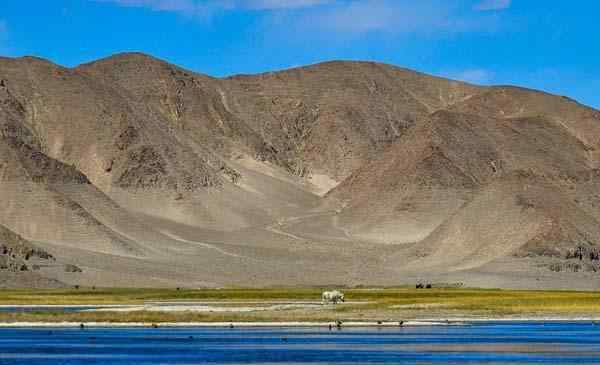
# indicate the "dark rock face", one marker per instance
pixel 16 252
pixel 72 268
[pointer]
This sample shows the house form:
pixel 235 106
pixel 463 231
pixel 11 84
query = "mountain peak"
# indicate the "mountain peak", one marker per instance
pixel 145 173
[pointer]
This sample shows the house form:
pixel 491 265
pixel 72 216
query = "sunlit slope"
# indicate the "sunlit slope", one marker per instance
pixel 144 173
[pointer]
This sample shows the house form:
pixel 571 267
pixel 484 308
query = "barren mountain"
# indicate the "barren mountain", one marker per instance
pixel 142 173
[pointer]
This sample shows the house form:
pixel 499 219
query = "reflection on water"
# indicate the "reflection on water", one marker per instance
pixel 484 343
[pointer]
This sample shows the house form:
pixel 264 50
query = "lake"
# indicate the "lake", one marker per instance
pixel 477 343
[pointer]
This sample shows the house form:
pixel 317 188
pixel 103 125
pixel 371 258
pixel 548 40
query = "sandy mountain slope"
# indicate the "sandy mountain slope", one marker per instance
pixel 463 190
pixel 142 173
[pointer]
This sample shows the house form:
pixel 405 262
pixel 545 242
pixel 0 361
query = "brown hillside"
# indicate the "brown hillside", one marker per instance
pixel 143 173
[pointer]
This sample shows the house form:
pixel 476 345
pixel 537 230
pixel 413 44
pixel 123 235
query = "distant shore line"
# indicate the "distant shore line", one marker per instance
pixel 332 325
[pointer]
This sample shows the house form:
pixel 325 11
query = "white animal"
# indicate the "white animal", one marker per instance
pixel 333 296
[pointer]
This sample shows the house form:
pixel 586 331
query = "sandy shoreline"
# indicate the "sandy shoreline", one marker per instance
pixel 227 324
pixel 348 324
pixel 199 307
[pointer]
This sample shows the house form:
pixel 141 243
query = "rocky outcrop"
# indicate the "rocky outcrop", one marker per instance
pixel 16 253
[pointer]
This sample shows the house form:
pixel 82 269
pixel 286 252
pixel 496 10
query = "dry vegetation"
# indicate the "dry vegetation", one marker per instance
pixel 140 296
pixel 379 304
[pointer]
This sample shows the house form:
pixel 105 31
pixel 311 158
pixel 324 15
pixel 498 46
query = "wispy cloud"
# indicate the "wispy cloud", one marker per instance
pixel 375 15
pixel 203 7
pixel 348 17
pixel 185 7
pixel 473 76
pixel 280 4
pixel 355 17
pixel 488 5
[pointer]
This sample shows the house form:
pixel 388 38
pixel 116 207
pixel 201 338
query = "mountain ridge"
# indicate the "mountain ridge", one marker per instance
pixel 130 165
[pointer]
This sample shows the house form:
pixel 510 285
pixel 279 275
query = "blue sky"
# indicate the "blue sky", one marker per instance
pixel 551 45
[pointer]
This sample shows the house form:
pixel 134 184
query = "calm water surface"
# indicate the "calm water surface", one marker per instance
pixel 485 343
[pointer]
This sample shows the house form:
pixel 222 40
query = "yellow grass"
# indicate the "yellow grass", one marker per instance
pixel 396 303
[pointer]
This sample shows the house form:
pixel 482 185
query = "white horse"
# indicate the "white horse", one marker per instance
pixel 333 296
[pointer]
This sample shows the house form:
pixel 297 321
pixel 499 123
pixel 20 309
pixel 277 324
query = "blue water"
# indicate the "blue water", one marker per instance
pixel 486 343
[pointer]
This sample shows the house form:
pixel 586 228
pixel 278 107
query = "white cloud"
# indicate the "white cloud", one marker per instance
pixel 186 7
pixel 341 17
pixel 390 16
pixel 487 5
pixel 473 76
pixel 363 16
pixel 280 4
pixel 205 7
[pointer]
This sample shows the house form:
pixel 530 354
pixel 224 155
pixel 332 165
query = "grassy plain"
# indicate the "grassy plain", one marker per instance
pixel 364 304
